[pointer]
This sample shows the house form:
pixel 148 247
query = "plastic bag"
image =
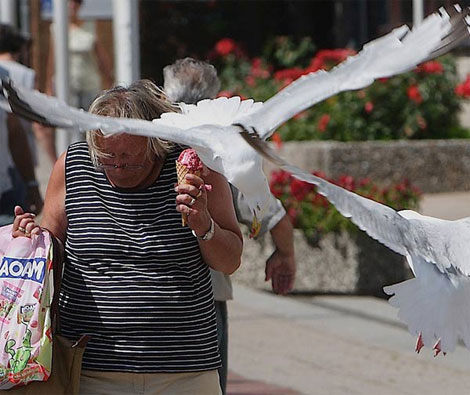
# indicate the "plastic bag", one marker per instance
pixel 26 291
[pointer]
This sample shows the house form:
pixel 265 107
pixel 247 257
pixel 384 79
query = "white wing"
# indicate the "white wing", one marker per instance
pixel 445 244
pixel 395 53
pixel 435 303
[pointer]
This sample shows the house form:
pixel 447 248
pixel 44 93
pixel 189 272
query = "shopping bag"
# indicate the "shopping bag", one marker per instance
pixel 26 292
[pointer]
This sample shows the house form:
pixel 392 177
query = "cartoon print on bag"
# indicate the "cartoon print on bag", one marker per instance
pixel 20 358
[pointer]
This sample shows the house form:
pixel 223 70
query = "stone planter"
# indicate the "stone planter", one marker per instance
pixel 431 165
pixel 342 263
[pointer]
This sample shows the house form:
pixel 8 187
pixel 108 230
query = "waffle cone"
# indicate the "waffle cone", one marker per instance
pixel 181 171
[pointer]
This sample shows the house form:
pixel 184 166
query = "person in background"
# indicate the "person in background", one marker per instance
pixel 18 184
pixel 90 66
pixel 189 81
pixel 12 43
pixel 135 279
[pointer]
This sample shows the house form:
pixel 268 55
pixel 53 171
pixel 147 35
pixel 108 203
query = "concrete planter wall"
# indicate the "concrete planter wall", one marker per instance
pixel 341 263
pixel 431 165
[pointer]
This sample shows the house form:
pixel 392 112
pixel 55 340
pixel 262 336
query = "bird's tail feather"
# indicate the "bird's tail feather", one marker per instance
pixel 434 304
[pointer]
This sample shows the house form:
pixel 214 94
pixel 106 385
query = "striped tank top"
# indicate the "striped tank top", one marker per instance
pixel 133 277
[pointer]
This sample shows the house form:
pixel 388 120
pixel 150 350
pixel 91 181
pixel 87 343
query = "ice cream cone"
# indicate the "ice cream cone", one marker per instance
pixel 181 171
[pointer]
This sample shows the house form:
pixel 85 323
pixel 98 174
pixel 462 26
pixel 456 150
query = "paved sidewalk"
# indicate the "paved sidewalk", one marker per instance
pixel 335 345
pixel 447 205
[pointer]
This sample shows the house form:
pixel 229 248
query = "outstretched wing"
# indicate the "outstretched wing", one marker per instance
pixel 379 221
pixel 397 52
pixel 445 244
pixel 218 143
pixel 38 107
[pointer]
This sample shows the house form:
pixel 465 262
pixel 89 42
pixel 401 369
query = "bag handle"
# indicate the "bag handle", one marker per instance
pixel 57 264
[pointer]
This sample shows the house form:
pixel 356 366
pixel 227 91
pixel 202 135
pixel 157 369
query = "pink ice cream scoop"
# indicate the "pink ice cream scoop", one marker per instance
pixel 189 158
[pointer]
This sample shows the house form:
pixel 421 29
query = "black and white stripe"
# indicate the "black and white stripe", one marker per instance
pixel 134 278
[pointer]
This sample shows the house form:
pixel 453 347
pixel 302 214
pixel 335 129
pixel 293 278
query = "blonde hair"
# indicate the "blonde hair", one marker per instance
pixel 143 100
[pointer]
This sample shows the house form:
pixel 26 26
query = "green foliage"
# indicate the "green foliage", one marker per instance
pixel 282 52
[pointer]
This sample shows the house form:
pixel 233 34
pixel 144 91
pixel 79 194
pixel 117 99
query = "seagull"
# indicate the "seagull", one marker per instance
pixel 219 130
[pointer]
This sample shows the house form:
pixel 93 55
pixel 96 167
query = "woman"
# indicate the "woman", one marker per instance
pixel 134 278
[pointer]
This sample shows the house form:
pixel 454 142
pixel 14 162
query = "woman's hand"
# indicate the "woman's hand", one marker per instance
pixel 24 224
pixel 192 200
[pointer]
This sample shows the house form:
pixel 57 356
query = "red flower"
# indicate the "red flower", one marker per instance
pixel 225 46
pixel 368 107
pixel 400 187
pixel 337 55
pixel 276 137
pixel 432 67
pixel 327 58
pixel 288 74
pixel 225 94
pixel 463 89
pixel 256 63
pixel 319 174
pixel 279 182
pixel 250 80
pixel 323 122
pixel 301 115
pixel 414 94
pixel 258 70
pixel 280 177
pixel 276 190
pixel 315 65
pixel 319 200
pixel 299 189
pixel 347 182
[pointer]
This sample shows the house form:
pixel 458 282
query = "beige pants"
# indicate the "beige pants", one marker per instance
pixel 116 383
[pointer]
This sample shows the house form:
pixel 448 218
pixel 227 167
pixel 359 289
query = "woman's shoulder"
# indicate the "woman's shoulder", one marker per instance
pixel 78 150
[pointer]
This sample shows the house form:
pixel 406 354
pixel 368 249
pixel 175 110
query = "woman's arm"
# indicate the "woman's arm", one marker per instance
pixel 54 218
pixel 104 64
pixel 223 251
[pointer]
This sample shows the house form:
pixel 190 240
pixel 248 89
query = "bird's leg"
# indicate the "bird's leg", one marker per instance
pixel 419 343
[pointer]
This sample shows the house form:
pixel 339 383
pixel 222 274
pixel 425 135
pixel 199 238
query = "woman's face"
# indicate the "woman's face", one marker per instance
pixel 128 165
